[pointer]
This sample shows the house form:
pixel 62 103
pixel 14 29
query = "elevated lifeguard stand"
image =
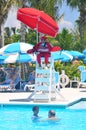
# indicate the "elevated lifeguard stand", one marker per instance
pixel 45 83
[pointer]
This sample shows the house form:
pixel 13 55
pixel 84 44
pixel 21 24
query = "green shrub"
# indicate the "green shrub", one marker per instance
pixel 70 69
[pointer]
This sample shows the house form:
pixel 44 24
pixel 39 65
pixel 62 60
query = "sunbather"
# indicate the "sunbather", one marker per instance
pixel 16 80
pixel 31 79
pixel 2 76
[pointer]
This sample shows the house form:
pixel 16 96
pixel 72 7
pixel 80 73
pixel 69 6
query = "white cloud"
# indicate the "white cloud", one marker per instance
pixel 65 24
pixel 12 19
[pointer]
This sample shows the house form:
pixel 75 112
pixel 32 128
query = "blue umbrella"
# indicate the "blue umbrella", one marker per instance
pixel 23 57
pixel 56 55
pixel 62 55
pixel 84 52
pixel 2 58
pixel 18 47
pixel 84 60
pixel 76 54
pixel 17 52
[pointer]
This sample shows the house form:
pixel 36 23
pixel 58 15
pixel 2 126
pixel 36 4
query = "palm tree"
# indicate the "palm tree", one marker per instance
pixel 5 6
pixel 65 39
pixel 48 6
pixel 4 9
pixel 82 19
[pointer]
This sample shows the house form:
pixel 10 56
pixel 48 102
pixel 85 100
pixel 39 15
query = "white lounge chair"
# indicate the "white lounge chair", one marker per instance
pixel 29 87
pixel 81 68
pixel 83 79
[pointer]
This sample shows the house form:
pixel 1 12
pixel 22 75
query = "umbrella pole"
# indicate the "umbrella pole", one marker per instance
pixel 37 36
pixel 20 72
pixel 37 32
pixel 23 70
pixel 20 77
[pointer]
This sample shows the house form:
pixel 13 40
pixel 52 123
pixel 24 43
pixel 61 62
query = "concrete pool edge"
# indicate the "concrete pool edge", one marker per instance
pixel 75 102
pixel 42 104
pixel 71 96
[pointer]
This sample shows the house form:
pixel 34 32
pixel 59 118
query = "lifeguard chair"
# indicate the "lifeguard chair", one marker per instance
pixel 45 81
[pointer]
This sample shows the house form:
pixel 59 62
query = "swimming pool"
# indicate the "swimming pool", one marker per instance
pixel 14 117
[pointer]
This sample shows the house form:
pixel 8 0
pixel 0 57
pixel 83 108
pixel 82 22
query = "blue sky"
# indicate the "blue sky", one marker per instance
pixel 68 21
pixel 70 16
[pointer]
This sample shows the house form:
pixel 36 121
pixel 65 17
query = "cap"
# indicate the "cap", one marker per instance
pixel 43 38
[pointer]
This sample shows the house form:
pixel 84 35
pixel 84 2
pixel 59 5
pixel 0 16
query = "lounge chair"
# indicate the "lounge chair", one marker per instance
pixel 83 79
pixel 29 87
pixel 6 85
pixel 31 82
pixel 81 68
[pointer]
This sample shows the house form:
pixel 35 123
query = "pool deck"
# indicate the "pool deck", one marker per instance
pixel 70 95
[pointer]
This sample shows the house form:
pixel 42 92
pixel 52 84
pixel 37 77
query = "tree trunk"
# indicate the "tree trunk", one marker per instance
pixel 23 31
pixel 82 27
pixel 0 37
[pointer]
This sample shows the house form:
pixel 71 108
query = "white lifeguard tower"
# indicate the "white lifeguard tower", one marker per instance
pixel 45 82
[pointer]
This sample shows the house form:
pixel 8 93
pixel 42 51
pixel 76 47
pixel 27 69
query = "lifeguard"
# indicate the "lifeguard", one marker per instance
pixel 43 49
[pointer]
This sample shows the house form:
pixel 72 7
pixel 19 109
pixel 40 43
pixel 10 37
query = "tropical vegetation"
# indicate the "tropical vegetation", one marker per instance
pixel 81 5
pixel 4 8
pixel 70 69
pixel 51 7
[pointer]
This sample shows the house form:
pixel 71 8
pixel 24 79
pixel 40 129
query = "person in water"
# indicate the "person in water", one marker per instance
pixel 35 110
pixel 52 115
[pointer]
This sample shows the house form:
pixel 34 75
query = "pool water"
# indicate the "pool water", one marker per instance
pixel 19 118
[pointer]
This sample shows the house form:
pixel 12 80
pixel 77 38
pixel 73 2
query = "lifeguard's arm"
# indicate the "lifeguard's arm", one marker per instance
pixel 35 48
pixel 30 51
pixel 49 46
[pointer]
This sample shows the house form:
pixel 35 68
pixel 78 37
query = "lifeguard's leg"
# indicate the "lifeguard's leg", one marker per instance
pixel 39 58
pixel 46 58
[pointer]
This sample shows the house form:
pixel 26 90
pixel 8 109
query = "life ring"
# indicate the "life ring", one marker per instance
pixel 64 80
